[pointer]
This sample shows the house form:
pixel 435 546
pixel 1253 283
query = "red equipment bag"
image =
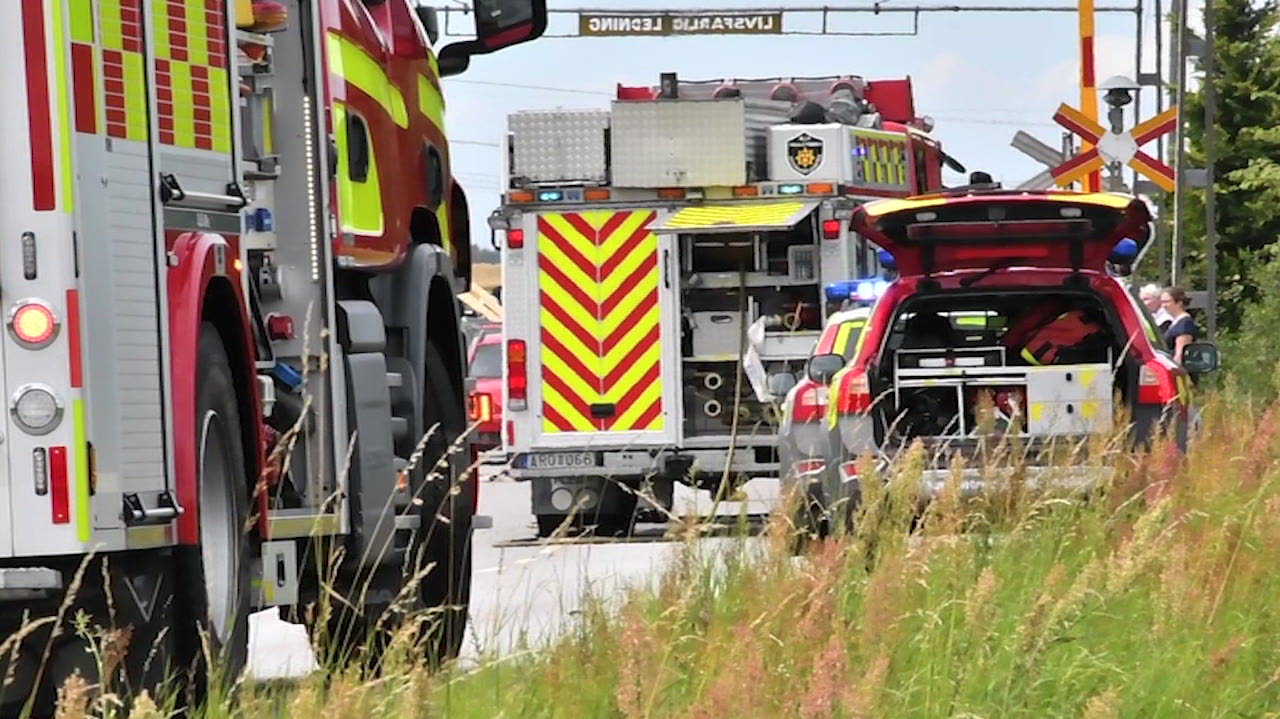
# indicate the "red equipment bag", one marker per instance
pixel 1068 330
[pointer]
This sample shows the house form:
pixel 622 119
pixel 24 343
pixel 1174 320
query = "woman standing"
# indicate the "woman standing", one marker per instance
pixel 1182 329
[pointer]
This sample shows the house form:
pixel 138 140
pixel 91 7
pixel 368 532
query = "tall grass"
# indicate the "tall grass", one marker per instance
pixel 1154 596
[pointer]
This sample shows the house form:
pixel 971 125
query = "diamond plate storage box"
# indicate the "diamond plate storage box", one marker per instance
pixel 679 143
pixel 559 146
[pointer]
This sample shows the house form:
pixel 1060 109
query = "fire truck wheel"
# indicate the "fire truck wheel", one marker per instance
pixel 446 588
pixel 214 576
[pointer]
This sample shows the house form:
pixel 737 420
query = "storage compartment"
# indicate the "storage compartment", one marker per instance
pixel 716 335
pixel 729 252
pixel 1037 365
pixel 559 146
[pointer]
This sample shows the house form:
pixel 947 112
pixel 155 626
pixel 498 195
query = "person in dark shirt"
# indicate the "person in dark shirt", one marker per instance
pixel 1182 329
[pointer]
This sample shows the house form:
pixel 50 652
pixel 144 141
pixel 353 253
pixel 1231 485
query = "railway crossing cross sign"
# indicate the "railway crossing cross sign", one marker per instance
pixel 1122 147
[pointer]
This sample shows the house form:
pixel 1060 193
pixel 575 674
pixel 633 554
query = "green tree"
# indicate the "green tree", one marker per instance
pixel 1247 142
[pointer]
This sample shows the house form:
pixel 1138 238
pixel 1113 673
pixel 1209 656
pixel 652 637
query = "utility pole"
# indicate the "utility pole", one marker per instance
pixel 1210 150
pixel 1179 146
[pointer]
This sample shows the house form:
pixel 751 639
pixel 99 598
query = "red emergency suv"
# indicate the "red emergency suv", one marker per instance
pixel 485 365
pixel 1007 321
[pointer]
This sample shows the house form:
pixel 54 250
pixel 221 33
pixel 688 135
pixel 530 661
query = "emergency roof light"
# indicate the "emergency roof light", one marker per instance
pixel 861 290
pixel 887 260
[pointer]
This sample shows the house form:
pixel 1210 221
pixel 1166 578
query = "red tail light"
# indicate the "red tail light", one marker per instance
pixel 1156 384
pixel 811 404
pixel 515 239
pixel 481 409
pixel 853 395
pixel 517 377
pixel 831 229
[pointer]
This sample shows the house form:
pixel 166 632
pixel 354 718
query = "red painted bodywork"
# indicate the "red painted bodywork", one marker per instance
pixel 391 35
pixel 493 387
pixel 188 283
pixel 1110 290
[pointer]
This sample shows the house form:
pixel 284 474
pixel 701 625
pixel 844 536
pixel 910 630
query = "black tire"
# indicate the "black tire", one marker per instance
pixel 213 577
pixel 445 591
pixel 620 518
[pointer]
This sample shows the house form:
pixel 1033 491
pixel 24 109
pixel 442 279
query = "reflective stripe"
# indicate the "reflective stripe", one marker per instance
pixel 83 511
pixel 124 76
pixel 431 102
pixel 350 62
pixel 840 346
pixel 1030 358
pixel 61 47
pixel 359 203
pixel 600 321
pixel 193 93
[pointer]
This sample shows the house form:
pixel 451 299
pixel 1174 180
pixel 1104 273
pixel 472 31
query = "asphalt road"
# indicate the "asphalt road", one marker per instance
pixel 524 593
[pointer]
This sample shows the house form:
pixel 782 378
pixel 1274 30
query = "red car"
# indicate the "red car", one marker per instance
pixel 485 363
pixel 1062 352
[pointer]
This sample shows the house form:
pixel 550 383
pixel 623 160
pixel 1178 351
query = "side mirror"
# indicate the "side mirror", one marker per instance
pixel 823 367
pixel 1200 357
pixel 430 20
pixel 499 24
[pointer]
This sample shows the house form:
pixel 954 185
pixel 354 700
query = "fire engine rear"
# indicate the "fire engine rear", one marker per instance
pixel 231 245
pixel 669 257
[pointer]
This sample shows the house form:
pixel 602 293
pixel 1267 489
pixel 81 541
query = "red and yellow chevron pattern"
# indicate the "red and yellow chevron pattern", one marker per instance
pixel 601 351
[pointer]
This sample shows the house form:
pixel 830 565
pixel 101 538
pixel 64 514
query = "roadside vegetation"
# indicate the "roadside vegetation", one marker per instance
pixel 1154 597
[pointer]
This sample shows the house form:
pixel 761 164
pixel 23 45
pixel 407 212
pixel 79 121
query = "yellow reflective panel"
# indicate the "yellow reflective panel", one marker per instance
pixel 431 102
pixel 885 207
pixel 359 203
pixel 350 62
pixel 773 214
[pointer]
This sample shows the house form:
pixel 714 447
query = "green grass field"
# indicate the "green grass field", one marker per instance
pixel 1157 597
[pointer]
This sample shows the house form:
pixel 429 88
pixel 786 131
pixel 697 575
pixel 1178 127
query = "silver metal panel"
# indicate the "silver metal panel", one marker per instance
pixel 679 143
pixel 121 330
pixel 559 145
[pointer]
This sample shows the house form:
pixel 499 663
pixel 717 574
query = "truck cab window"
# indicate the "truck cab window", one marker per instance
pixel 358 148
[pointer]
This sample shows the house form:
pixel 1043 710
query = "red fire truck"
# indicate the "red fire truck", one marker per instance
pixel 232 362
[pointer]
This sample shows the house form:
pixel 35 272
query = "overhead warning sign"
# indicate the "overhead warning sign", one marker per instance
pixel 639 24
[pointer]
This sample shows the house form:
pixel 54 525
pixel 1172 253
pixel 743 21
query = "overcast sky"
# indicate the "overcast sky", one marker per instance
pixel 981 76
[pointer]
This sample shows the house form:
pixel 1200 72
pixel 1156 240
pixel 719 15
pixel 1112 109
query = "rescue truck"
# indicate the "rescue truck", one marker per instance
pixel 670 255
pixel 232 360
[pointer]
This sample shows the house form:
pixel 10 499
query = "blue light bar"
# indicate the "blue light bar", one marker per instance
pixel 550 196
pixel 865 290
pixel 790 189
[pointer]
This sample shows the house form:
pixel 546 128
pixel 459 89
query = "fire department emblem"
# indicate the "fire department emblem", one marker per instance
pixel 804 152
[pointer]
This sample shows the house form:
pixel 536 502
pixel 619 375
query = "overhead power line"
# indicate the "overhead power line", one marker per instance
pixel 520 86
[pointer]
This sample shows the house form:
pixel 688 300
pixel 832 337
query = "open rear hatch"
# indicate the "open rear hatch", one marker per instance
pixel 941 233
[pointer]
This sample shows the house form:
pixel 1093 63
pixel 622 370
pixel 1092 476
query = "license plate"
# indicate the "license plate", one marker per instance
pixel 561 460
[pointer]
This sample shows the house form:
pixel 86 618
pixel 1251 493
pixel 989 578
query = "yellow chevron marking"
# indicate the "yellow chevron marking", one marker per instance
pixel 569 268
pixel 633 335
pixel 561 405
pixel 583 245
pixel 632 414
pixel 637 370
